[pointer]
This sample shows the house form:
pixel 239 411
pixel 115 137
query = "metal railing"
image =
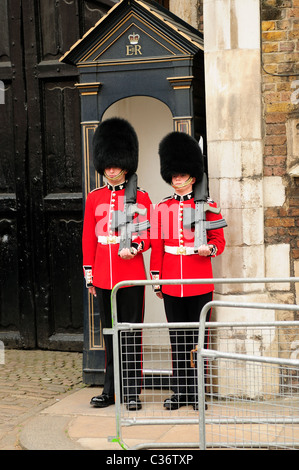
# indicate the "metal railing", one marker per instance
pixel 199 418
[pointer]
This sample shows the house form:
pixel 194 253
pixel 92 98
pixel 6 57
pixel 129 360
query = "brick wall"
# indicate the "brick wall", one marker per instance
pixel 280 69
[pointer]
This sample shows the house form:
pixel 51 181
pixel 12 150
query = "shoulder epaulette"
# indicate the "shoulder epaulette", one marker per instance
pixel 141 190
pixel 97 189
pixel 165 199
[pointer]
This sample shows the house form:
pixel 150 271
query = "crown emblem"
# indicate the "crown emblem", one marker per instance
pixel 134 38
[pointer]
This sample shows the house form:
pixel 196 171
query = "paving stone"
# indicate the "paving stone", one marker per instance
pixel 29 381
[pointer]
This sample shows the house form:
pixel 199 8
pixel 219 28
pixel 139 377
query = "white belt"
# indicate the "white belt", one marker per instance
pixel 179 250
pixel 111 239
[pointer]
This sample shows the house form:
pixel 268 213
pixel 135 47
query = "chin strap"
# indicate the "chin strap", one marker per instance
pixel 117 177
pixel 182 185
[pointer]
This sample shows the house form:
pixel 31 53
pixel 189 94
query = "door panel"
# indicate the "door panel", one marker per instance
pixel 16 288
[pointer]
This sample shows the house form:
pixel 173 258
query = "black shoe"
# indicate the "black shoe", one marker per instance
pixel 175 401
pixel 101 401
pixel 133 404
pixel 192 400
pixel 195 406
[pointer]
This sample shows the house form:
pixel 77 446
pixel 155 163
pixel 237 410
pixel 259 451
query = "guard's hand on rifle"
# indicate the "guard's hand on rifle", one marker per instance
pixel 125 253
pixel 207 250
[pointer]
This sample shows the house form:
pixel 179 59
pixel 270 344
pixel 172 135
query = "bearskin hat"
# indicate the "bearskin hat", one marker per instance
pixel 180 153
pixel 115 144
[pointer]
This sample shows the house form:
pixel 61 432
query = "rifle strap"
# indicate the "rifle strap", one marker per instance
pixel 201 189
pixel 131 190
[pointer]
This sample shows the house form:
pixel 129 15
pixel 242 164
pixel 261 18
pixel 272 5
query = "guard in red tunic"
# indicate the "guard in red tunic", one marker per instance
pixel 115 234
pixel 175 256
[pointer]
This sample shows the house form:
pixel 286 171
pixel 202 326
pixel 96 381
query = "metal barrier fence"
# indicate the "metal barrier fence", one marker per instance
pixel 252 397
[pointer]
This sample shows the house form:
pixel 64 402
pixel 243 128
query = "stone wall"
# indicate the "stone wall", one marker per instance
pixel 187 10
pixel 234 133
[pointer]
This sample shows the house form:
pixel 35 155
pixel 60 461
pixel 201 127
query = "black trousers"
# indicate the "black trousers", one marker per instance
pixel 130 306
pixel 185 310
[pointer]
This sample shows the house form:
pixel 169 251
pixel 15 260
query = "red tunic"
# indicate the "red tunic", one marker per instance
pixel 107 267
pixel 167 231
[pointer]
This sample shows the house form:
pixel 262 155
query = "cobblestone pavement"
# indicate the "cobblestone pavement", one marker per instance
pixel 31 380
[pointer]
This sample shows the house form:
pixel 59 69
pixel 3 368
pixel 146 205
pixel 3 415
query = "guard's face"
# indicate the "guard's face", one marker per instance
pixel 182 183
pixel 180 178
pixel 115 175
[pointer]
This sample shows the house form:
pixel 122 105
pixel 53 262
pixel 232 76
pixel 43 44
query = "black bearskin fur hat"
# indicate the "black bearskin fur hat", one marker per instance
pixel 180 153
pixel 115 144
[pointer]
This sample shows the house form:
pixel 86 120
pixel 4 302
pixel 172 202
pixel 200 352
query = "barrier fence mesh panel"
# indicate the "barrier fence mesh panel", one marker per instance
pixel 253 404
pixel 249 404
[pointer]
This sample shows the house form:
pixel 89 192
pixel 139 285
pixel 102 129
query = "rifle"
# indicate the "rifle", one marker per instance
pixel 197 217
pixel 123 220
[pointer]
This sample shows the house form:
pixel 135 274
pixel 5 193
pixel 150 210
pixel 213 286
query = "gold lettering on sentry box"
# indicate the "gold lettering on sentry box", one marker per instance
pixel 133 49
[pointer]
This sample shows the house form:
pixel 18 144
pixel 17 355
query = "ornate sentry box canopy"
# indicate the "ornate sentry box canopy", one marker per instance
pixel 116 35
pixel 139 48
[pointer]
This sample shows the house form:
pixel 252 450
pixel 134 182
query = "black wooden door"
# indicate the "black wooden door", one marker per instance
pixel 40 173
